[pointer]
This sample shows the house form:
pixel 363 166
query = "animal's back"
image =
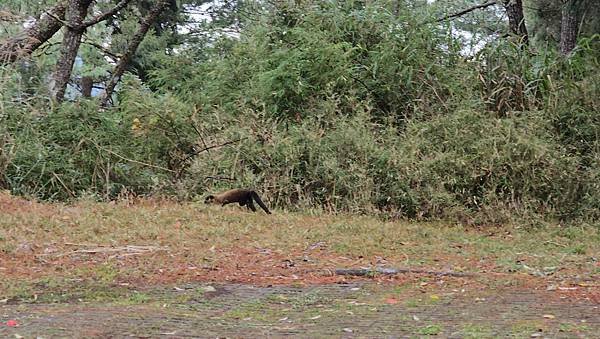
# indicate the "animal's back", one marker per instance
pixel 234 194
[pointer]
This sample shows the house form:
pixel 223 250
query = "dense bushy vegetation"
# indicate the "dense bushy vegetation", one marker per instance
pixel 328 106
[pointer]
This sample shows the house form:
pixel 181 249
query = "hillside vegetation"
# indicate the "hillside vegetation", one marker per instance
pixel 328 107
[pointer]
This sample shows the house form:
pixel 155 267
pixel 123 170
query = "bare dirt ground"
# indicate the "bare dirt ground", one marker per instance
pixel 338 310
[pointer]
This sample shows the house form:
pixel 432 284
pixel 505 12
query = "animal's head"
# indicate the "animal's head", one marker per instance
pixel 209 199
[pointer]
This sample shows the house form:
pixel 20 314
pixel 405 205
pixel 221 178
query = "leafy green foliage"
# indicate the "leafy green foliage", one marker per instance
pixel 334 105
pixel 78 150
pixel 296 58
pixel 473 162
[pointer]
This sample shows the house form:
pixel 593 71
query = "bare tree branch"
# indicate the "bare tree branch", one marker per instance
pixel 468 10
pixel 105 15
pixel 103 49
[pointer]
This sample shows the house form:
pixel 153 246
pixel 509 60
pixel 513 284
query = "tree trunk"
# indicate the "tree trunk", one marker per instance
pixel 568 27
pixel 74 16
pixel 131 49
pixel 49 22
pixel 516 20
pixel 87 84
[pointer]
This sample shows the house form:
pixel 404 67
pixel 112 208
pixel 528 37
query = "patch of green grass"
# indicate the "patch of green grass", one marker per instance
pixel 579 249
pixel 476 331
pixel 423 300
pixel 299 301
pixel 136 298
pixel 413 302
pixel 14 290
pixel 257 310
pixel 309 299
pixel 6 246
pixel 573 328
pixel 400 289
pixel 51 290
pixel 430 330
pixel 525 328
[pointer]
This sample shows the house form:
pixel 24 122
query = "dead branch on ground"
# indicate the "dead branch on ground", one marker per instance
pixel 369 271
pixel 127 250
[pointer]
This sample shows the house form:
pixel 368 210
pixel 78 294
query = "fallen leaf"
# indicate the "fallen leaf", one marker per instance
pixel 12 323
pixel 208 288
pixel 391 301
pixel 435 297
pixel 583 284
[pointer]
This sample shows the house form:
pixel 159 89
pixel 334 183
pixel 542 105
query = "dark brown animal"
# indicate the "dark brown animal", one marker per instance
pixel 242 196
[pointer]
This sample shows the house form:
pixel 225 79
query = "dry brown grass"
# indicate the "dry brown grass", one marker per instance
pixel 152 242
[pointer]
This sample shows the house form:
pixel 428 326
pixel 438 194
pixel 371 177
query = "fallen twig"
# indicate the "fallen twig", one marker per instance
pixel 554 243
pixel 82 244
pixel 129 249
pixel 367 271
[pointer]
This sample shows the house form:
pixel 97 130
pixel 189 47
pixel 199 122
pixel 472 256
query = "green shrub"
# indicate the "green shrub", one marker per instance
pixel 478 162
pixel 79 149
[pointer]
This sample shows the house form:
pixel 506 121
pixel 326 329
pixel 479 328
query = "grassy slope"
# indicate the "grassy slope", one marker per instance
pixel 44 245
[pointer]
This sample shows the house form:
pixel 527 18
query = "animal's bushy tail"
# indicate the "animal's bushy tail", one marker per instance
pixel 260 203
